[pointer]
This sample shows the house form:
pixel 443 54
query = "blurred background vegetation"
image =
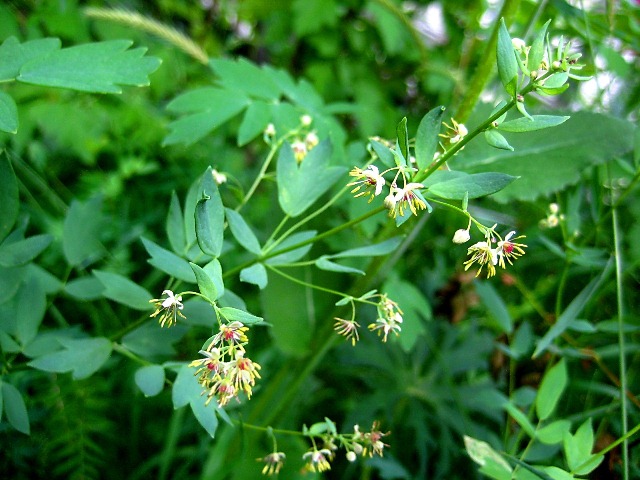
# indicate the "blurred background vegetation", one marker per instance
pixel 370 63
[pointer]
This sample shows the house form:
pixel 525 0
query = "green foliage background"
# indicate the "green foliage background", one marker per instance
pixel 96 175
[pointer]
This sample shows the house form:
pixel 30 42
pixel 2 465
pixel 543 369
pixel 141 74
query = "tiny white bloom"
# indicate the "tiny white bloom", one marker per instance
pixel 306 120
pixel 172 300
pixel 219 178
pixel 461 236
pixel 518 44
pixel 270 131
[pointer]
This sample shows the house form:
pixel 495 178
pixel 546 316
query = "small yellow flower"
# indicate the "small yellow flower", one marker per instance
pixel 243 373
pixel 509 250
pixel 370 179
pixel 232 333
pixel 482 254
pixel 273 463
pixel 318 460
pixel 401 198
pixel 170 308
pixel 348 329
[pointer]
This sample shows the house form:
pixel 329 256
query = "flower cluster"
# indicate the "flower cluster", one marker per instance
pixel 272 463
pixel 365 444
pixel 225 372
pixel 485 254
pixel 168 308
pixel 370 182
pixel 389 318
pixel 554 217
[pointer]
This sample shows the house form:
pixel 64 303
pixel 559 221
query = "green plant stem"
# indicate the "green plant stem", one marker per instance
pixel 621 342
pixel 420 176
pixel 484 69
pixel 304 243
pixel 305 284
pixel 261 174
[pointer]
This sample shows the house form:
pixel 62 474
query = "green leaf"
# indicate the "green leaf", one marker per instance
pixel 493 138
pixel 556 473
pixel 23 251
pixel 495 306
pixel 14 54
pixel 15 408
pixel 572 311
pixel 214 270
pixel 312 16
pixel 210 217
pixel 553 433
pixel 168 262
pixel 551 388
pixel 323 263
pixel 245 76
pixel 242 232
pixel 32 304
pixel 384 153
pixel 174 226
pixel 536 52
pixel 456 185
pixel 149 340
pixel 207 108
pixel 480 452
pixel 81 232
pixel 150 379
pixel 185 387
pixel 537 122
pixel 584 140
pixel 427 137
pixel 101 67
pixel 235 314
pixel 299 186
pixel 9 204
pixel 205 414
pixel 122 290
pixel 85 288
pixel 521 419
pixel 205 283
pixel 378 249
pixel 293 255
pixel 578 447
pixel 589 465
pixel 255 274
pixel 83 357
pixel 403 137
pixel 255 120
pixel 8 113
pixel 507 63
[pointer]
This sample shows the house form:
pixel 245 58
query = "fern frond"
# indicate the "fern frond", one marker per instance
pixel 151 26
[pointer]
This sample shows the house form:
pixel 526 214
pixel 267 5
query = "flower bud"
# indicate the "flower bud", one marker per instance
pixel 461 236
pixel 306 120
pixel 351 456
pixel 518 44
pixel 270 131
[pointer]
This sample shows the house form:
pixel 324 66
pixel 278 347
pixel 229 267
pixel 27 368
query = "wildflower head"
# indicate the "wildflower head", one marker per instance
pixel 402 198
pixel 368 180
pixel 389 318
pixel 482 254
pixel 509 250
pixel 233 333
pixel 372 441
pixel 348 329
pixel 457 131
pixel 318 460
pixel 168 308
pixel 272 463
pixel 243 373
pixel 299 150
